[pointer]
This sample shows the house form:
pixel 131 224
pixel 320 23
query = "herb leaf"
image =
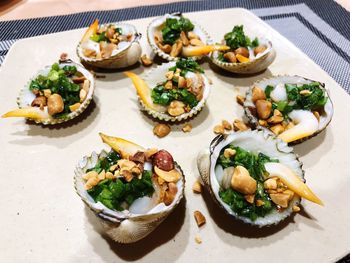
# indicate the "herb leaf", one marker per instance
pixel 173 27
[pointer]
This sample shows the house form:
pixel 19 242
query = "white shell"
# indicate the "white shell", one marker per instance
pixel 26 97
pixel 156 26
pixel 255 65
pixel 255 141
pixel 157 75
pixel 325 118
pixel 126 55
pixel 124 226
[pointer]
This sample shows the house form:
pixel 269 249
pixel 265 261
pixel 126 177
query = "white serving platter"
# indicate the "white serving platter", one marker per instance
pixel 43 219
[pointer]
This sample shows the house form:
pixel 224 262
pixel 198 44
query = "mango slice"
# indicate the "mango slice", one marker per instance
pixel 124 147
pixel 171 177
pixel 202 50
pixel 33 113
pixel 242 59
pixel 292 181
pixel 144 92
pixel 90 31
pixel 306 125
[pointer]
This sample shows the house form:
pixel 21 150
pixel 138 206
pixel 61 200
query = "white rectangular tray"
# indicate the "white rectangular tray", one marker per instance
pixel 42 218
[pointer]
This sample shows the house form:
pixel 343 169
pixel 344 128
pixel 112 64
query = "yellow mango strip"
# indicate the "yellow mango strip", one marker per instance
pixel 202 50
pixel 30 113
pixel 292 181
pixel 122 146
pixel 90 31
pixel 143 91
pixel 242 59
pixel 306 125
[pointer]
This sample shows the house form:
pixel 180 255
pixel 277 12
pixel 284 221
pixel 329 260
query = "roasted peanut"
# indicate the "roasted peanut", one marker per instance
pixel 109 175
pixel 239 125
pixel 169 75
pixel 277 129
pixel 242 182
pixel 305 92
pixel 181 82
pixel 89 175
pixel 192 35
pixel 146 61
pixel 39 102
pixel 259 202
pixel 240 100
pixel 258 94
pixel 196 42
pixel 176 49
pixel 102 175
pixel 296 208
pixel 263 123
pixel 47 92
pixel 219 129
pixel 270 183
pixel 168 85
pixel 226 125
pixel 197 187
pixel 199 217
pixel 161 130
pixel 230 57
pixel 55 104
pixel 170 193
pixel 187 127
pixel 249 198
pixel 280 199
pixel 228 153
pixel 263 108
pixel 242 51
pixel 176 108
pixel 93 181
pixel 317 115
pixel 259 49
pixel 82 95
pixel 184 38
pixel 74 107
pixel 198 239
pixel 276 118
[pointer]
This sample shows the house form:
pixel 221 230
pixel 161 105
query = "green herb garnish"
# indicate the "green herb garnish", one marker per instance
pixel 255 165
pixel 162 96
pixel 187 65
pixel 236 38
pixel 173 27
pixel 58 81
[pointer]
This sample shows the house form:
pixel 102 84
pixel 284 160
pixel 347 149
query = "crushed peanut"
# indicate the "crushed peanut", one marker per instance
pixel 240 100
pixel 305 92
pixel 219 129
pixel 198 239
pixel 146 61
pixel 199 217
pixel 226 125
pixel 239 125
pixel 296 208
pixel 197 187
pixel 187 127
pixel 228 153
pixel 161 130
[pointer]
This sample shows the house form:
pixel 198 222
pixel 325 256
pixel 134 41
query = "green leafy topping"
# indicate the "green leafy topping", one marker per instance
pixel 255 165
pixel 106 162
pixel 236 38
pixel 58 81
pixel 187 65
pixel 114 193
pixel 99 37
pixel 173 27
pixel 162 96
pixel 313 101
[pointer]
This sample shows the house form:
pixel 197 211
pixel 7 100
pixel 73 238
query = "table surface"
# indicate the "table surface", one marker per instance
pixel 43 218
pixel 19 9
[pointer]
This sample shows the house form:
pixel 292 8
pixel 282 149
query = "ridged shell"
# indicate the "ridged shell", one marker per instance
pixel 254 141
pixel 123 226
pixel 255 65
pixel 26 97
pixel 249 107
pixel 157 23
pixel 124 57
pixel 156 75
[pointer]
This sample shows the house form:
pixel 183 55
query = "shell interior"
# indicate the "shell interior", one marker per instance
pixel 255 142
pixel 157 75
pixel 256 64
pixel 122 46
pixel 325 116
pixel 155 28
pixel 26 97
pixel 118 216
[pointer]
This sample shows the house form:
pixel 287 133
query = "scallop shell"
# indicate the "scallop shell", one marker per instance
pixel 123 226
pixel 123 57
pixel 155 76
pixel 254 141
pixel 249 107
pixel 26 97
pixel 255 65
pixel 156 25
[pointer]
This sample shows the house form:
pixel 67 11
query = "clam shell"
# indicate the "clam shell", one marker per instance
pixel 123 226
pixel 255 65
pixel 254 141
pixel 156 25
pixel 156 75
pixel 249 107
pixel 123 57
pixel 26 97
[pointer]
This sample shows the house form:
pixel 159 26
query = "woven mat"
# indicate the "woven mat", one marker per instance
pixel 321 29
